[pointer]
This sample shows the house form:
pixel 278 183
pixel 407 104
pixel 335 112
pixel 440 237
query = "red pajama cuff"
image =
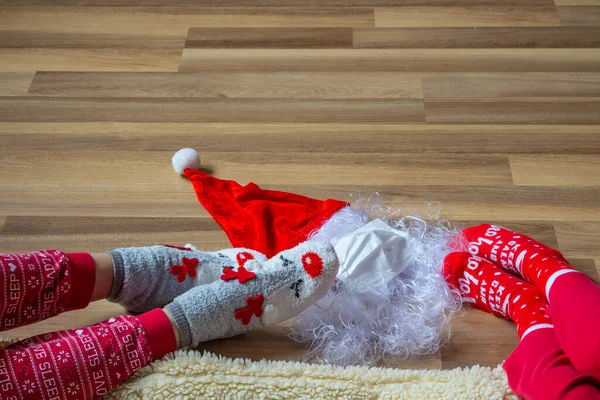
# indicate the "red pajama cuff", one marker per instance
pixel 83 279
pixel 159 331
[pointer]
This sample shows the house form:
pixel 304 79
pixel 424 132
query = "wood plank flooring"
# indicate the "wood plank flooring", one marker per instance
pixel 481 110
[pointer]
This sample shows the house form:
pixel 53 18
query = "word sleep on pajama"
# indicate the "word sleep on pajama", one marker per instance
pixel 74 364
pixel 235 291
pixel 554 307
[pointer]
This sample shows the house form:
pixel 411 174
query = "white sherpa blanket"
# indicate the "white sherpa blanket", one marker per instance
pixel 194 375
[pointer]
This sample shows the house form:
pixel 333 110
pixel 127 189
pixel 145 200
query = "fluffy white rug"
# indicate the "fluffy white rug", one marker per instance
pixel 195 375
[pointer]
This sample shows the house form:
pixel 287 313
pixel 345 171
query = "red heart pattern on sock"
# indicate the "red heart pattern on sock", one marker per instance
pixel 188 267
pixel 242 274
pixel 255 304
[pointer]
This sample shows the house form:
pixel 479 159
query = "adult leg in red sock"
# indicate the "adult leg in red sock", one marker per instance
pixel 573 296
pixel 538 368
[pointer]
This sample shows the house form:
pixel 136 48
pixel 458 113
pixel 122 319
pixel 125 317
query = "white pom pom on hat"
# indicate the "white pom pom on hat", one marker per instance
pixel 184 159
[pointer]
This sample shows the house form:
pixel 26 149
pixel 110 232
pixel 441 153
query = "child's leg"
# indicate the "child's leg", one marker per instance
pixel 42 284
pixel 538 369
pixel 84 363
pixel 88 362
pixel 573 296
pixel 38 285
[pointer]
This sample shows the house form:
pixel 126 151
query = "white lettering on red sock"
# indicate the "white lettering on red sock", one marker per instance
pixel 515 253
pixel 496 291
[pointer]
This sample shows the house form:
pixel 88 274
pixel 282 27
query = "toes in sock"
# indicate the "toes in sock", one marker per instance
pixel 149 277
pixel 490 289
pixel 238 302
pixel 518 254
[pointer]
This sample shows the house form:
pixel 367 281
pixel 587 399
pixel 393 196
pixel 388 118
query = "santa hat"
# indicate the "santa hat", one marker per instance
pixel 268 221
pixel 390 297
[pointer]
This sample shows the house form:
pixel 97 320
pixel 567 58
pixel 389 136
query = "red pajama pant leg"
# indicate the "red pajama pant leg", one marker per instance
pixel 41 284
pixel 575 311
pixel 84 363
pixel 539 369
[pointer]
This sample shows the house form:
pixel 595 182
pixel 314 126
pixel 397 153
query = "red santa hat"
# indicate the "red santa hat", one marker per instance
pixel 358 320
pixel 268 221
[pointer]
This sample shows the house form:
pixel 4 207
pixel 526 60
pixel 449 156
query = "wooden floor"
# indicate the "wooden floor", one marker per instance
pixel 489 107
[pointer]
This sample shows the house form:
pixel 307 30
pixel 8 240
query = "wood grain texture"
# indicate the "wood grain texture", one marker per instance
pixel 277 3
pixel 511 85
pixel 579 239
pixel 475 16
pixel 480 37
pixel 167 198
pixel 580 15
pixel 281 85
pixel 209 110
pixel 577 2
pixel 329 137
pixel 175 20
pixel 294 38
pixel 585 265
pixel 471 110
pixel 53 226
pixel 277 168
pixel 23 39
pixel 100 242
pixel 36 59
pixel 513 111
pixel 15 83
pixel 407 60
pixel 559 170
pixel 469 347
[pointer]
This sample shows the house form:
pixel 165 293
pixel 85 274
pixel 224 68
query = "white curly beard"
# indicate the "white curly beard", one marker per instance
pixel 403 316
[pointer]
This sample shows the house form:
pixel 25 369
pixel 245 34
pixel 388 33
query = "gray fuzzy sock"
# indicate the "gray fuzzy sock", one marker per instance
pixel 149 277
pixel 281 288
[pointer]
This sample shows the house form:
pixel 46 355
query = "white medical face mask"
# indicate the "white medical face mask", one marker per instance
pixel 373 254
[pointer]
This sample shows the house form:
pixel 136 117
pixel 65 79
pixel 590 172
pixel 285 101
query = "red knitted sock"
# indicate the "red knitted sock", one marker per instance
pixel 517 253
pixel 487 287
